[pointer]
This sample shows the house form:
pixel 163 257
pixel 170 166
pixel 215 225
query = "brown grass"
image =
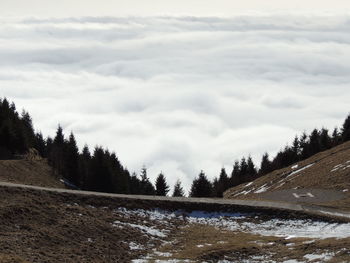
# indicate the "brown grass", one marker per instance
pixel 35 172
pixel 319 176
pixel 200 243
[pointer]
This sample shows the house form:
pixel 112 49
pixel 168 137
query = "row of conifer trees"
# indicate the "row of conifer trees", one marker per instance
pixel 101 170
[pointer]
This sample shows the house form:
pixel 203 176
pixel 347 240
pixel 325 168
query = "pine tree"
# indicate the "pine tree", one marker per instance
pixel 336 137
pixel 304 146
pixel 56 156
pixel 72 160
pixel 243 171
pixel 251 170
pixel 314 142
pixel 178 190
pixel 201 186
pixel 266 165
pixel 235 180
pixel 162 187
pixel 147 187
pixel 84 168
pixel 325 140
pixel 221 184
pixel 346 129
pixel 135 184
pixel 40 144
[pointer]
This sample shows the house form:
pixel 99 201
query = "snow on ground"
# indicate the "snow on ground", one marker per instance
pixel 262 189
pixel 147 230
pixel 295 167
pixel 300 170
pixel 157 223
pixel 342 166
pixel 239 222
pixel 324 257
pixel 248 184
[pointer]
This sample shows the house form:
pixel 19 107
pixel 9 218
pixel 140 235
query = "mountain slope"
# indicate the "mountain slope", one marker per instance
pixel 31 170
pixel 322 179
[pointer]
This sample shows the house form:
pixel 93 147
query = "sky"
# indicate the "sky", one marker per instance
pixel 178 87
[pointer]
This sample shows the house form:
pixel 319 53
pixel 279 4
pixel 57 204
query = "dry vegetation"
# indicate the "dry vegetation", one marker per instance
pixel 28 171
pixel 199 243
pixel 321 175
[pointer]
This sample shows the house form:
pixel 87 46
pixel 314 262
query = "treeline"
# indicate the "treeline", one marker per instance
pixel 101 170
pixel 97 171
pixel 16 131
pixel 245 170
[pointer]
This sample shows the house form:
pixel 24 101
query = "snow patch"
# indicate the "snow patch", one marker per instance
pixel 300 170
pixel 262 189
pixel 135 246
pixel 249 184
pixel 147 230
pixel 295 166
pixel 342 166
pixel 323 257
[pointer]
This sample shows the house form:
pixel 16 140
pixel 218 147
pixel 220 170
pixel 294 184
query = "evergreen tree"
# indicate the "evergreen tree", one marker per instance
pixel 346 129
pixel 325 140
pixel 178 190
pixel 72 160
pixel 266 165
pixel 40 144
pixel 201 186
pixel 314 142
pixel 147 187
pixel 101 180
pixel 243 171
pixel 162 187
pixel 251 170
pixel 216 188
pixel 235 180
pixel 304 146
pixel 56 156
pixel 84 168
pixel 221 184
pixel 336 137
pixel 295 150
pixel 135 184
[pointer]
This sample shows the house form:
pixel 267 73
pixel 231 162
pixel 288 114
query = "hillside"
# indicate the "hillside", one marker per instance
pixel 38 225
pixel 29 170
pixel 323 179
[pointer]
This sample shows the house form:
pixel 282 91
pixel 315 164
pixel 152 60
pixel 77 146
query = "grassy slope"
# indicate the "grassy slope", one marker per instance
pixel 318 176
pixel 31 172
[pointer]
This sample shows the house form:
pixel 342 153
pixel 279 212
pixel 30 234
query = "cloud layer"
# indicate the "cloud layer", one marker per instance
pixel 179 94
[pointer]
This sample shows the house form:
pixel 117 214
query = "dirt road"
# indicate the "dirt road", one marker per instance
pixel 208 203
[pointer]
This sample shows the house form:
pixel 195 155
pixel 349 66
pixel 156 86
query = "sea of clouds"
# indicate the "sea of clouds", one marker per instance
pixel 179 94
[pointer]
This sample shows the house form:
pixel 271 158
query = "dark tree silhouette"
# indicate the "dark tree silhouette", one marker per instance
pixel 234 179
pixel 346 129
pixel 201 186
pixel 178 190
pixel 71 155
pixel 266 165
pixel 162 188
pixel 325 140
pixel 146 186
pixel 336 137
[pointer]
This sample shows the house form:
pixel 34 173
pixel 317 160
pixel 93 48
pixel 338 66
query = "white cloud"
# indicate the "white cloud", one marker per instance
pixel 179 94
